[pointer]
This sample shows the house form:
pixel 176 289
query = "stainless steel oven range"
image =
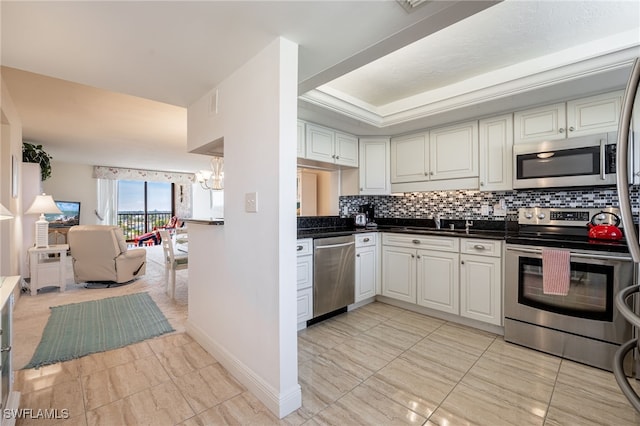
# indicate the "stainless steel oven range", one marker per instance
pixel 584 325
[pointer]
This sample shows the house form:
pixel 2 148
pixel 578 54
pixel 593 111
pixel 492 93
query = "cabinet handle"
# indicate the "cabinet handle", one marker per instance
pixel 571 129
pixel 431 173
pixel 413 255
pixel 337 157
pixel 479 247
pixel 300 248
pixel 462 262
pixel 481 183
pixel 358 255
pixel 5 349
pixel 366 240
pixel 416 241
pixel 426 173
pixel 561 130
pixel 418 256
pixel 333 156
pixel 361 189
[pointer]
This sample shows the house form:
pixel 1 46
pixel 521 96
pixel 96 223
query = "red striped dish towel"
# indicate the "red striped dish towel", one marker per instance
pixel 555 271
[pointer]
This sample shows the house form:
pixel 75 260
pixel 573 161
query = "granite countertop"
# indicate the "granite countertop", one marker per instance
pixel 336 232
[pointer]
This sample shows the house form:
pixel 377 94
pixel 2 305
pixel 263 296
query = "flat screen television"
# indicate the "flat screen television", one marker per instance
pixel 70 215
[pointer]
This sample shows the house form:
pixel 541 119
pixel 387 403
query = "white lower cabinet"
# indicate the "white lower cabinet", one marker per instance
pixel 420 269
pixel 399 273
pixel 437 280
pixel 304 250
pixel 481 281
pixel 367 275
pixel 459 276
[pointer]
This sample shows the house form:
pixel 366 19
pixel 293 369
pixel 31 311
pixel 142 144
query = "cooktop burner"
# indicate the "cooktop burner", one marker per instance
pixel 564 228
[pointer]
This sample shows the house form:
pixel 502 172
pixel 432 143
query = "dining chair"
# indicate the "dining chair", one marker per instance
pixel 172 262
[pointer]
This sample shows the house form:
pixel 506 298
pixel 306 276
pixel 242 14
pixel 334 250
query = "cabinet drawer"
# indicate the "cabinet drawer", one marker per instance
pixel 366 240
pixel 481 247
pixel 304 247
pixel 425 242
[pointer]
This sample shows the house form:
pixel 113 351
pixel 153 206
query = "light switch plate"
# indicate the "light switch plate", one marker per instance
pixel 484 210
pixel 251 202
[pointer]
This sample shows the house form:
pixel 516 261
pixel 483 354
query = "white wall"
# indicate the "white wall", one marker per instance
pixel 74 182
pixel 10 145
pixel 242 275
pixel 204 207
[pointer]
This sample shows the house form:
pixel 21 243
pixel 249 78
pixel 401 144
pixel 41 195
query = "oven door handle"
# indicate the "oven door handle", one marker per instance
pixel 574 254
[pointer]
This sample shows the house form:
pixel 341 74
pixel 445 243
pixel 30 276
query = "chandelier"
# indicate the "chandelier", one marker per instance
pixel 212 179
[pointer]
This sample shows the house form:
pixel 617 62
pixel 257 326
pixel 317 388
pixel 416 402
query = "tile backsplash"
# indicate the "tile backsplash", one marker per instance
pixel 469 204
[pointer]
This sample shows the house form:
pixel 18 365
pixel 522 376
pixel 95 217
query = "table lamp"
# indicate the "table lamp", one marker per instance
pixel 43 204
pixel 5 213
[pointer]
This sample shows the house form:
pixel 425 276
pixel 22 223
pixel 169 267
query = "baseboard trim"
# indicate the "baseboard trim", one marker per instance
pixel 280 404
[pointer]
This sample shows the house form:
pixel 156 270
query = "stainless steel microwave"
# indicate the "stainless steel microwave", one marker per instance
pixel 582 161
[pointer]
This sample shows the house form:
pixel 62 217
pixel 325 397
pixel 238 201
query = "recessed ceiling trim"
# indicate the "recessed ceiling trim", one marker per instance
pixel 459 95
pixel 412 5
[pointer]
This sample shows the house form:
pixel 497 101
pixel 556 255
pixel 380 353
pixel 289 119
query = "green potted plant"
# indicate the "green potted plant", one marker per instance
pixel 35 154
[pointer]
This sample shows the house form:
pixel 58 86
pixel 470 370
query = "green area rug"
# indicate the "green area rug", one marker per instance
pixel 80 329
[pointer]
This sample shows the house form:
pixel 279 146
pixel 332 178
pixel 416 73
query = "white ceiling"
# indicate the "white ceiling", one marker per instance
pixel 108 82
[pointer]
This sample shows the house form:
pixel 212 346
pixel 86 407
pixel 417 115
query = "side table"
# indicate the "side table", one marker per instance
pixel 48 266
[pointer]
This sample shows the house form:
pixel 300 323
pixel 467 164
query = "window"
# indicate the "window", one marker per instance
pixel 143 206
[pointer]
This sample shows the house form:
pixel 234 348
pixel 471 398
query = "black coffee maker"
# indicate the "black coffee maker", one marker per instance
pixel 369 211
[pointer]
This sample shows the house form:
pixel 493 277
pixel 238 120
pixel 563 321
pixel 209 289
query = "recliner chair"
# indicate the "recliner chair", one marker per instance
pixel 100 253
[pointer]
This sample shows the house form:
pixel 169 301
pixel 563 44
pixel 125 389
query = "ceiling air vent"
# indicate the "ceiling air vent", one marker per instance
pixel 412 5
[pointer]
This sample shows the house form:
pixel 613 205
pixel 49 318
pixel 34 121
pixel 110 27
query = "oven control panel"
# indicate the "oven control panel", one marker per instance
pixel 565 217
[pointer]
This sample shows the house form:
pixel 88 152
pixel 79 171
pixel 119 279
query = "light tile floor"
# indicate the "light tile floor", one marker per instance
pixel 377 365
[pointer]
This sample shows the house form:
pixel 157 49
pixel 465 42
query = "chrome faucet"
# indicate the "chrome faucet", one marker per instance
pixel 467 225
pixel 436 219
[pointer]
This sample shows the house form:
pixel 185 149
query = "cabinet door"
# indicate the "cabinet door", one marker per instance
pixel 481 288
pixel 594 114
pixel 496 153
pixel 453 151
pixel 305 304
pixel 537 124
pixel 319 143
pixel 410 158
pixel 374 167
pixel 301 136
pixel 305 272
pixel 366 273
pixel 399 273
pixel 437 281
pixel 346 149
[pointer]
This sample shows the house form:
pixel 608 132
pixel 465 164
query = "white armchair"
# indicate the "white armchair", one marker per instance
pixel 100 253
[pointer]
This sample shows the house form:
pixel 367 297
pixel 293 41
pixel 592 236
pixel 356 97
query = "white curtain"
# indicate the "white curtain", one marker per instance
pixel 107 211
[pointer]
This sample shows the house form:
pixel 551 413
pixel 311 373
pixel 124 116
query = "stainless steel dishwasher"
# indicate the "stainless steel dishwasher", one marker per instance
pixel 334 273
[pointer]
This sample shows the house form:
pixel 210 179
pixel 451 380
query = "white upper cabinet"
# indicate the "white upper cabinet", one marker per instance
pixel 410 158
pixel 496 153
pixel 319 143
pixel 346 149
pixel 453 151
pixel 374 171
pixel 543 123
pixel 327 145
pixel 301 139
pixel 594 114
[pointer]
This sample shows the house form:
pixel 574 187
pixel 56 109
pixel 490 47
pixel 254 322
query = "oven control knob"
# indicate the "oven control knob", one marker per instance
pixel 541 216
pixel 528 215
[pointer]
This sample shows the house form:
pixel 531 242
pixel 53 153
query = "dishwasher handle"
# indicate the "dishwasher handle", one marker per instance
pixel 335 245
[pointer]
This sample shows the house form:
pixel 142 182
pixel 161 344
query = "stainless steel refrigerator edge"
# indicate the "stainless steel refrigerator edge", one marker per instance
pixel 628 139
pixel 333 274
